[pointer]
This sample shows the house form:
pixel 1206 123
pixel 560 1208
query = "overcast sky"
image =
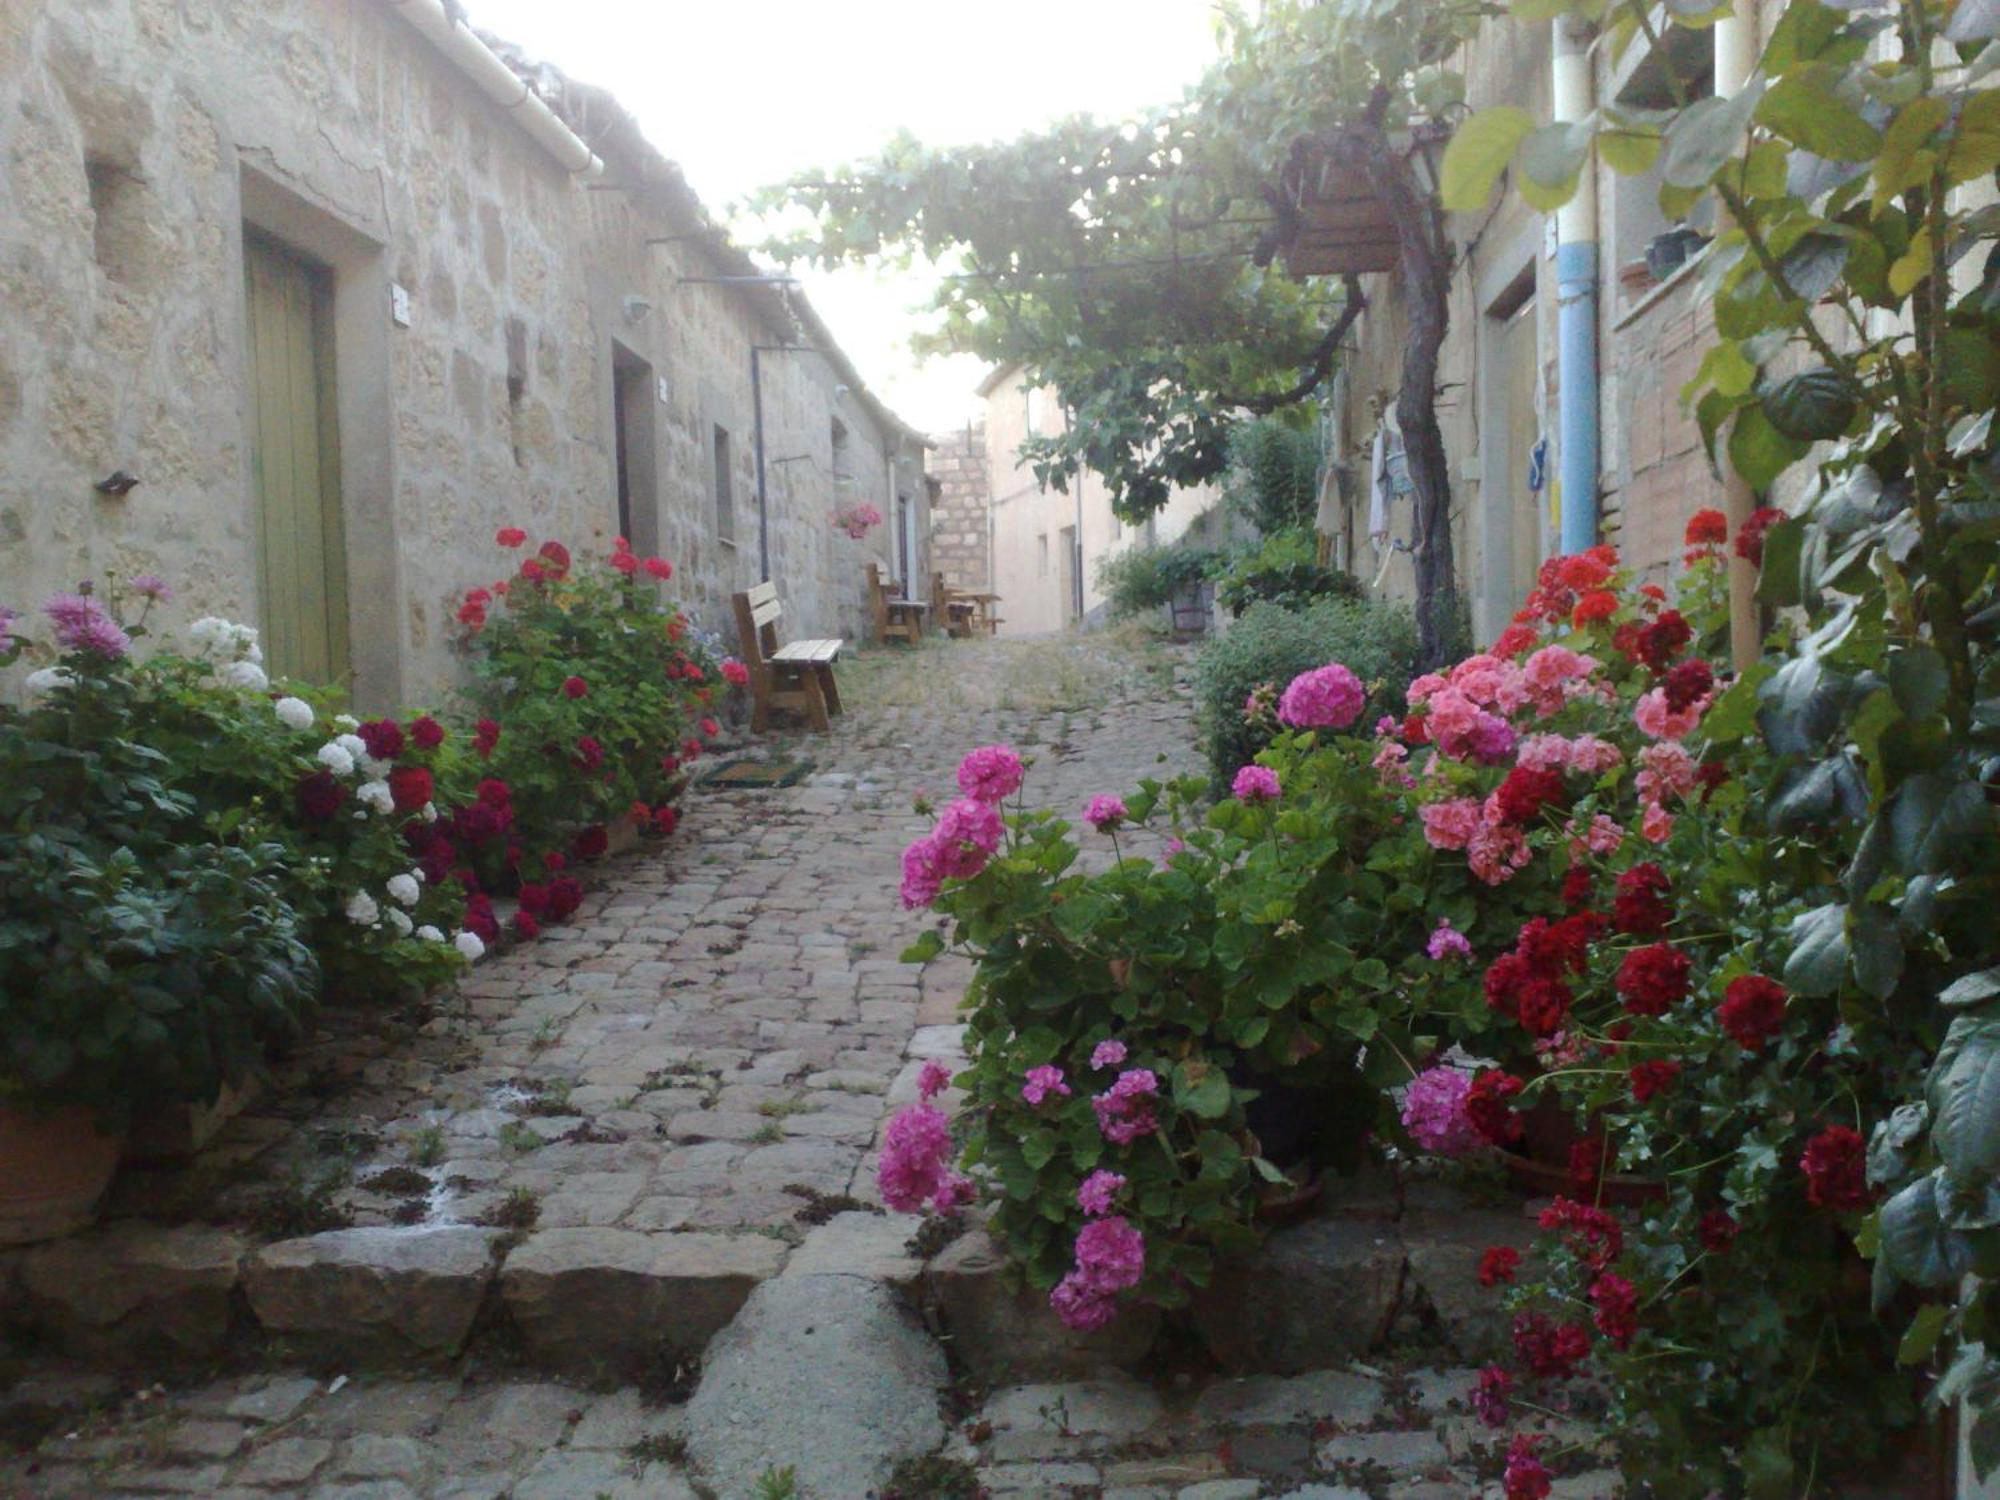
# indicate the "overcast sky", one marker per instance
pixel 743 95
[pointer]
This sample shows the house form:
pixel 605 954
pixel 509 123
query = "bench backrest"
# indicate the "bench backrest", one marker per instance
pixel 757 614
pixel 878 600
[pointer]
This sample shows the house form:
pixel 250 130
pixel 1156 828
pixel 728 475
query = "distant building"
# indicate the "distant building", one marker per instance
pixel 1046 544
pixel 347 292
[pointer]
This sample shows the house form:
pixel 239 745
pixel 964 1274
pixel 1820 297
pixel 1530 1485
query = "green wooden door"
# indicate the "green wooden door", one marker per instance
pixel 301 546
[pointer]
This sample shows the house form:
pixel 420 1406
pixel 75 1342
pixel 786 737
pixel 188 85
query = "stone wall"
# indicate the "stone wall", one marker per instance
pixel 139 139
pixel 961 538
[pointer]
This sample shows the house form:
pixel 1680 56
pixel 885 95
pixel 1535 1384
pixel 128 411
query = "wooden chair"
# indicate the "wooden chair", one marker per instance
pixel 952 610
pixel 897 617
pixel 797 675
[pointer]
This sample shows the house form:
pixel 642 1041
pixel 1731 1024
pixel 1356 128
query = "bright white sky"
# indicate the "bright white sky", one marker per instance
pixel 746 94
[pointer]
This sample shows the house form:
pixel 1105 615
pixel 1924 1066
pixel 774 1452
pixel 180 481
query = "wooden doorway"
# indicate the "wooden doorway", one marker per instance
pixel 295 448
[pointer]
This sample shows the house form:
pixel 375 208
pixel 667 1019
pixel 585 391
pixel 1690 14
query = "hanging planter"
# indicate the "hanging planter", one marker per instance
pixel 1336 223
pixel 54 1166
pixel 857 520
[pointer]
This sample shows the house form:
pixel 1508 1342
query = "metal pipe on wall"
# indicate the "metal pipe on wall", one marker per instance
pixel 1576 303
pixel 1735 60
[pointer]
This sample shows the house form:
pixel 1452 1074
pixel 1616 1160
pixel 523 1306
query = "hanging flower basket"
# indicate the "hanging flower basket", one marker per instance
pixel 857 520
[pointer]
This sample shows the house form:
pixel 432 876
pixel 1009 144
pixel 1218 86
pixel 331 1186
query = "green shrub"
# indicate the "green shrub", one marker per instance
pixel 1271 644
pixel 1141 579
pixel 1283 568
pixel 1273 478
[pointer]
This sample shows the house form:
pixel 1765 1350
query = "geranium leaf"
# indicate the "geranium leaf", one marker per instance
pixel 1915 1245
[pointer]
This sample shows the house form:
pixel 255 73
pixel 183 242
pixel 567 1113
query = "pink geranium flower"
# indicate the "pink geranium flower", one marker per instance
pixel 1255 784
pixel 1099 1191
pixel 1328 697
pixel 1044 1082
pixel 1104 813
pixel 992 773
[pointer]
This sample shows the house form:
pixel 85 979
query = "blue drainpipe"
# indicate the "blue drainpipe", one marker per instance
pixel 1576 387
pixel 1576 303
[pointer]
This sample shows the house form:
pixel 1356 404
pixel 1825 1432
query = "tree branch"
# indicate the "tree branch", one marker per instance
pixel 1320 367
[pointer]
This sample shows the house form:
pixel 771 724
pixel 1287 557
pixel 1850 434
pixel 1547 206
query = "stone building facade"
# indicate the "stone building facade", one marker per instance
pixel 208 207
pixel 1048 544
pixel 1498 389
pixel 962 523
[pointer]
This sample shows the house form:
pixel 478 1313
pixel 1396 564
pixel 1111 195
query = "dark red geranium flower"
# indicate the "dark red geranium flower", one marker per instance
pixel 472 614
pixel 533 571
pixel 1549 1349
pixel 666 820
pixel 411 786
pixel 1640 906
pixel 565 896
pixel 1616 1302
pixel 574 687
pixel 510 536
pixel 533 898
pixel 1526 1476
pixel 1717 1231
pixel 1835 1164
pixel 1750 536
pixel 1592 1235
pixel 1687 683
pixel 1525 792
pixel 1543 1005
pixel 556 555
pixel 1707 528
pixel 1653 978
pixel 1576 887
pixel 426 733
pixel 1752 1010
pixel 1708 776
pixel 589 753
pixel 526 927
pixel 320 796
pixel 1586 1164
pixel 591 843
pixel 1514 640
pixel 383 737
pixel 1417 729
pixel 1661 640
pixel 1498 1265
pixel 478 918
pixel 485 735
pixel 1490 1395
pixel 1650 1078
pixel 1486 1107
pixel 495 792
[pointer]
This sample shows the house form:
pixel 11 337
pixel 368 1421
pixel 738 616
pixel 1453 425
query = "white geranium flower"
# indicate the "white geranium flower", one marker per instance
pixel 207 628
pixel 362 910
pixel 399 921
pixel 430 812
pixel 244 674
pixel 468 944
pixel 333 755
pixel 376 794
pixel 294 713
pixel 376 770
pixel 404 888
pixel 346 722
pixel 48 678
pixel 355 746
pixel 430 934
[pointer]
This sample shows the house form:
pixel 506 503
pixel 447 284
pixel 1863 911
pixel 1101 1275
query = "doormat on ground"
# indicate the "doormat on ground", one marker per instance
pixel 745 772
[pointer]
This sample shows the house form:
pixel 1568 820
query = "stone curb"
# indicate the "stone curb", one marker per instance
pixel 134 1295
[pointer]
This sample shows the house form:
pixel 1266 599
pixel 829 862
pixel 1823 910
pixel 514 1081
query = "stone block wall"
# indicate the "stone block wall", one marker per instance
pixel 961 537
pixel 139 139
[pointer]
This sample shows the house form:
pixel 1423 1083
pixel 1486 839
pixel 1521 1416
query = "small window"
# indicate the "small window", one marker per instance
pixel 843 461
pixel 725 496
pixel 118 218
pixel 1042 555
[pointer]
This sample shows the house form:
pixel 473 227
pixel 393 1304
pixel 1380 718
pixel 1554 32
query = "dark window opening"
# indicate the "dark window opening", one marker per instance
pixel 725 498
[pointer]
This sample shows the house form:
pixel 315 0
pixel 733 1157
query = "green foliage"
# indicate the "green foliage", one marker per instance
pixel 1270 644
pixel 1118 261
pixel 1273 479
pixel 1282 568
pixel 1141 580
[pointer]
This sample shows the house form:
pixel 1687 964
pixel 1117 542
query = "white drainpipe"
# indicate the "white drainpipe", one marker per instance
pixel 1735 60
pixel 500 83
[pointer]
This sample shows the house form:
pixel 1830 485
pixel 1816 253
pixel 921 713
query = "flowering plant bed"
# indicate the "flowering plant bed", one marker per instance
pixel 1574 858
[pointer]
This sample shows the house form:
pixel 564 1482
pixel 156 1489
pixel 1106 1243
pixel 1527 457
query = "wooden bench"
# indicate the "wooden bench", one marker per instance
pixel 954 611
pixel 897 617
pixel 798 674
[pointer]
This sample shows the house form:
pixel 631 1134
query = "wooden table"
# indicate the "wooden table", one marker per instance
pixel 985 603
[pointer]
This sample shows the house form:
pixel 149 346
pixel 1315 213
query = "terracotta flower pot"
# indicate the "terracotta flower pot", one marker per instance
pixel 53 1169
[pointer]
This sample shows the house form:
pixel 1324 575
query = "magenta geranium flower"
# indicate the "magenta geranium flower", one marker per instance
pixel 1255 784
pixel 1098 1192
pixel 1328 697
pixel 1043 1083
pixel 1104 813
pixel 991 773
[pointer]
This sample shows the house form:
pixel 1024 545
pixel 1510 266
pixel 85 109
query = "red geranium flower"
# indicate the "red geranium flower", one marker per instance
pixel 510 536
pixel 473 615
pixel 1661 640
pixel 735 671
pixel 1550 1350
pixel 1514 640
pixel 658 567
pixel 320 796
pixel 534 899
pixel 1526 1476
pixel 1653 978
pixel 1650 1078
pixel 565 896
pixel 1717 1231
pixel 1486 1107
pixel 533 571
pixel 494 792
pixel 1584 571
pixel 1707 528
pixel 589 753
pixel 383 737
pixel 1750 536
pixel 574 687
pixel 666 820
pixel 1598 604
pixel 1687 683
pixel 485 735
pixel 526 928
pixel 1640 907
pixel 426 733
pixel 591 843
pixel 1525 792
pixel 1592 1235
pixel 1835 1164
pixel 625 563
pixel 1498 1264
pixel 1576 887
pixel 411 786
pixel 1617 1309
pixel 710 728
pixel 1752 1010
pixel 557 557
pixel 478 918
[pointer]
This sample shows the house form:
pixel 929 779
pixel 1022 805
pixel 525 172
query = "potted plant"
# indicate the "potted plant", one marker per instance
pixel 147 952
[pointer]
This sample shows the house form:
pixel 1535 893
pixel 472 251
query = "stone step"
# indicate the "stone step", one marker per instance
pixel 582 1301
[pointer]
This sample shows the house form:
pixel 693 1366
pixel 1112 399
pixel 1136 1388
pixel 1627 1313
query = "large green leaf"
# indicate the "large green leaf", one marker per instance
pixel 1932 818
pixel 1811 406
pixel 1818 960
pixel 1807 112
pixel 1759 450
pixel 1965 1123
pixel 1705 135
pixel 1201 1088
pixel 1479 152
pixel 1915 1245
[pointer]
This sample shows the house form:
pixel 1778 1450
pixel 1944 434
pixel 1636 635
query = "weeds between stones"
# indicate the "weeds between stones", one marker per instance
pixel 819 1207
pixel 935 1233
pixel 932 1477
pixel 658 1448
pixel 520 1210
pixel 427 1146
